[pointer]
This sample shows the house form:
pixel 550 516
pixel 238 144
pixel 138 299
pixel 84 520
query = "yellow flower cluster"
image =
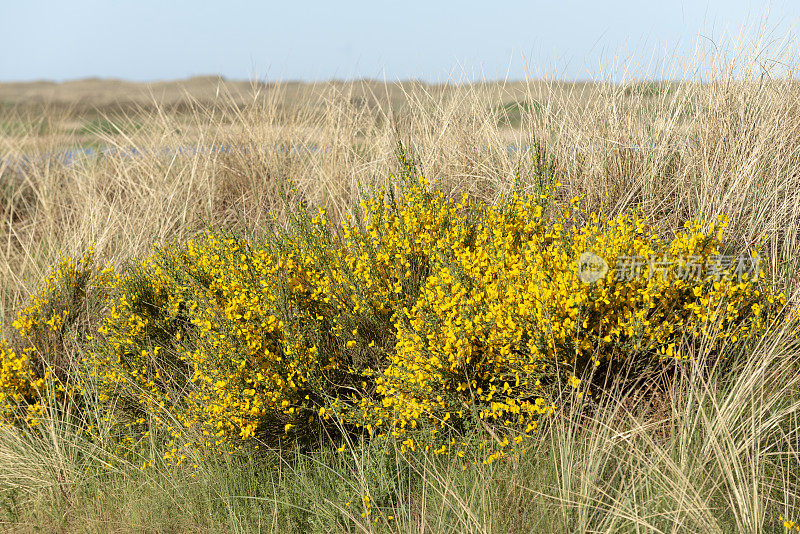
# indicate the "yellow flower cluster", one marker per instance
pixel 35 368
pixel 20 386
pixel 789 525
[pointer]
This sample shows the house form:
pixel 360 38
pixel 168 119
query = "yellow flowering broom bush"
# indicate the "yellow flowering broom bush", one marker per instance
pixel 425 313
pixel 503 304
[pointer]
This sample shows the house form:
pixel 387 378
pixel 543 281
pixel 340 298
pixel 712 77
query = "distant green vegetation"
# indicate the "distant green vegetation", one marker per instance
pixel 106 126
pixel 11 127
pixel 648 89
pixel 511 113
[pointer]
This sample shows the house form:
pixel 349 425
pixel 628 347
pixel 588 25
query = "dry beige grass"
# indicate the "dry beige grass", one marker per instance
pixel 677 150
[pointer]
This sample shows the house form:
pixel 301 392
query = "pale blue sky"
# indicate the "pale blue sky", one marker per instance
pixel 310 40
